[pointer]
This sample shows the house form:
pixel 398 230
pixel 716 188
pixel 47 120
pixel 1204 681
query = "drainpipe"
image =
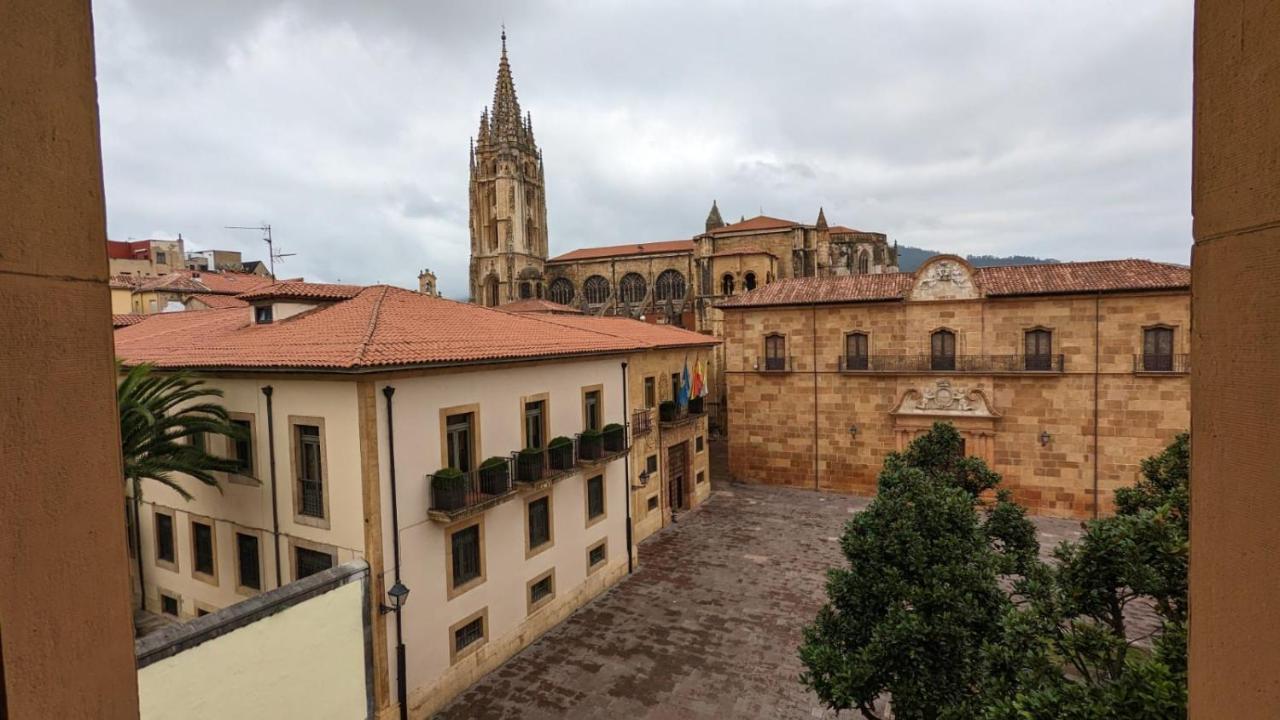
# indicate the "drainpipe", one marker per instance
pixel 813 342
pixel 275 500
pixel 402 695
pixel 1097 373
pixel 626 463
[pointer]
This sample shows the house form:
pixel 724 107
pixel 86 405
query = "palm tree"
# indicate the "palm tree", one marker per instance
pixel 161 416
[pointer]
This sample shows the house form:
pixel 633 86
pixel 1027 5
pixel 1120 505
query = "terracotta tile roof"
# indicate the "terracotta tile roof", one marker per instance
pixel 123 282
pixel 645 334
pixel 535 305
pixel 126 319
pixel 759 222
pixel 1058 278
pixel 381 326
pixel 1101 275
pixel 218 302
pixel 193 281
pixel 234 283
pixel 842 229
pixel 650 248
pixel 297 290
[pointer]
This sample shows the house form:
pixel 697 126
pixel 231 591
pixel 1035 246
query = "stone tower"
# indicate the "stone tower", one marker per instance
pixel 713 217
pixel 508 201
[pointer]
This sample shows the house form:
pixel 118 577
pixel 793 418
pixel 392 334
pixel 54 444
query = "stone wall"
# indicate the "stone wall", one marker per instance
pixel 795 428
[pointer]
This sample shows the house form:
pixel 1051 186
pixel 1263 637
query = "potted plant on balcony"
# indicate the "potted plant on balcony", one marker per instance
pixel 667 410
pixel 560 453
pixel 448 490
pixel 495 478
pixel 529 465
pixel 590 445
pixel 695 406
pixel 615 438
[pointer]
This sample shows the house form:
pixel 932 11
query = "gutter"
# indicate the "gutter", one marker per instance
pixel 275 498
pixel 626 465
pixel 402 695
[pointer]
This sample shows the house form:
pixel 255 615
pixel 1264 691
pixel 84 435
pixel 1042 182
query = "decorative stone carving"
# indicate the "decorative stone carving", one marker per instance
pixel 944 280
pixel 943 399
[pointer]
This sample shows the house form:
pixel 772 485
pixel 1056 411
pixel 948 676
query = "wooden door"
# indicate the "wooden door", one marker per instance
pixel 676 459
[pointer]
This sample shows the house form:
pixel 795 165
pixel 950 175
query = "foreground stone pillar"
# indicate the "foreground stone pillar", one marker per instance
pixel 65 625
pixel 1235 394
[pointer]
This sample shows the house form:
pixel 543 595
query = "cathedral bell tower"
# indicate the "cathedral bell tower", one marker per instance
pixel 508 201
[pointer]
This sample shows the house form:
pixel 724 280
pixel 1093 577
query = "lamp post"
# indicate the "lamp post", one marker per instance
pixel 399 594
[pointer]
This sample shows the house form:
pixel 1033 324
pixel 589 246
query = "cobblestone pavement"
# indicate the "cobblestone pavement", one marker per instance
pixel 706 627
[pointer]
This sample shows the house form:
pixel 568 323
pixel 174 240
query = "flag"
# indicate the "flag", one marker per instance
pixel 699 389
pixel 683 400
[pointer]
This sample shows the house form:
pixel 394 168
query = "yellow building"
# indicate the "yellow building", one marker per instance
pixel 420 435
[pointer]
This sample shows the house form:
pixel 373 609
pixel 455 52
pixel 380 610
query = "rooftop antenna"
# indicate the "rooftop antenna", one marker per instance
pixel 272 255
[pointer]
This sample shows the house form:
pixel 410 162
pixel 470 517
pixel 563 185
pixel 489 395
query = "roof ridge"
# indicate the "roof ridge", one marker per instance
pixel 373 324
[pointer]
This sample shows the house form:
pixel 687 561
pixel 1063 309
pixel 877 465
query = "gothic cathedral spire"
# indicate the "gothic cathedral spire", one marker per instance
pixel 508 200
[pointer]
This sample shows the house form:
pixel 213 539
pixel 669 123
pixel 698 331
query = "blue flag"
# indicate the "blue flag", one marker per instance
pixel 683 400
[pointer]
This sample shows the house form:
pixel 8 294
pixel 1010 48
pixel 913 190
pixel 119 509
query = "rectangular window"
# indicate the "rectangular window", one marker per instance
pixel 595 497
pixel 855 351
pixel 465 545
pixel 675 385
pixel 262 314
pixel 469 634
pixel 539 522
pixel 775 353
pixel 650 392
pixel 249 563
pixel 164 538
pixel 1157 349
pixel 653 503
pixel 161 258
pixel 591 410
pixel 168 605
pixel 535 424
pixel 697 444
pixel 1038 348
pixel 311 561
pixel 202 548
pixel 597 555
pixel 702 477
pixel 310 471
pixel 242 448
pixel 541 589
pixel 942 350
pixel 651 464
pixel 458 433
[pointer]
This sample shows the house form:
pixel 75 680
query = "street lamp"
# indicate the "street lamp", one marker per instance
pixel 398 594
pixel 1044 438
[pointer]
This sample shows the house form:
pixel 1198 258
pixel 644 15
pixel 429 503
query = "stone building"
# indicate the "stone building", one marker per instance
pixel 427 283
pixel 1062 377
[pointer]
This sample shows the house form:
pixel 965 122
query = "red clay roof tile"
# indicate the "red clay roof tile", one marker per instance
pixel 649 248
pixel 759 222
pixel 535 305
pixel 297 290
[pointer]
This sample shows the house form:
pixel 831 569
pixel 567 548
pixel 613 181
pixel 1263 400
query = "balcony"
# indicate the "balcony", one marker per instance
pixel 641 422
pixel 979 364
pixel 456 494
pixel 539 467
pixel 596 448
pixel 672 415
pixel 776 364
pixel 1162 364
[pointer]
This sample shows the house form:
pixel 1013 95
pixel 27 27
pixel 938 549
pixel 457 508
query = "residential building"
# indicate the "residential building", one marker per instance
pixel 228 261
pixel 188 290
pixel 1061 377
pixel 419 435
pixel 145 258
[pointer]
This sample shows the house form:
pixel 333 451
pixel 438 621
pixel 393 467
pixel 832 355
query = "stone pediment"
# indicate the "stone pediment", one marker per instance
pixel 942 399
pixel 945 277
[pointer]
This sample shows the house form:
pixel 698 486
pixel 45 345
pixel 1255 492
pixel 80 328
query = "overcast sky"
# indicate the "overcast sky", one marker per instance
pixel 1057 129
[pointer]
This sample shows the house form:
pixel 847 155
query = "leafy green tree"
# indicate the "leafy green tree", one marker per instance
pixel 163 417
pixel 1067 648
pixel 922 592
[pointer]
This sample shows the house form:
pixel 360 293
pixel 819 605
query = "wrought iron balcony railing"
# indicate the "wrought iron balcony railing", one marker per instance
pixel 776 364
pixel 641 421
pixel 1179 363
pixel 952 363
pixel 454 492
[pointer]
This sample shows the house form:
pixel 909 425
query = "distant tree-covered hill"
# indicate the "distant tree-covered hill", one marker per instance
pixel 910 258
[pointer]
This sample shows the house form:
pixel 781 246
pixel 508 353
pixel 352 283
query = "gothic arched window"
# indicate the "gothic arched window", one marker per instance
pixel 749 281
pixel 632 288
pixel 726 284
pixel 670 285
pixel 561 291
pixel 864 262
pixel 596 289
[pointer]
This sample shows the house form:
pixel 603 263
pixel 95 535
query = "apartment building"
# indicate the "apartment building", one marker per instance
pixel 1062 377
pixel 474 456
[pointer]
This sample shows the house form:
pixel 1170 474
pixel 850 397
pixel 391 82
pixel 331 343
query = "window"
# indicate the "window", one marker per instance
pixel 168 604
pixel 310 471
pixel 561 291
pixel 535 424
pixel 161 258
pixel 595 498
pixel 632 288
pixel 1157 349
pixel 248 563
pixel 242 448
pixel 864 263
pixel 669 285
pixel 596 290
pixel 464 547
pixel 726 284
pixel 202 552
pixel 653 503
pixel 539 523
pixel 458 434
pixel 855 351
pixel 942 350
pixel 675 385
pixel 775 352
pixel 651 464
pixel 591 410
pixel 469 634
pixel 749 282
pixel 309 562
pixel 701 477
pixel 651 392
pixel 262 314
pixel 542 589
pixel 164 541
pixel 1038 344
pixel 697 444
pixel 597 555
pixel 526 291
